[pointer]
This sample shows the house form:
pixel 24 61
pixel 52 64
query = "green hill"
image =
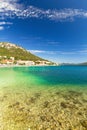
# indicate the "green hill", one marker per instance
pixel 84 64
pixel 19 53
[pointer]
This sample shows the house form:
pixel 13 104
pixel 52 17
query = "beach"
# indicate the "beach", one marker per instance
pixel 33 99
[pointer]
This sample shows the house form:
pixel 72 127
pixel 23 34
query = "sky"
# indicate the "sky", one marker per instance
pixel 52 29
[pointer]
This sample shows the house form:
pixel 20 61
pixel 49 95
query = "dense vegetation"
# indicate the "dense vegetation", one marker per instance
pixel 18 53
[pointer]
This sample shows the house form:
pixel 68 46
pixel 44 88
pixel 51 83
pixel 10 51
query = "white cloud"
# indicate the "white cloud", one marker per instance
pixel 41 51
pixel 53 52
pixel 9 8
pixel 5 23
pixel 12 9
pixel 37 51
pixel 67 52
pixel 1 28
pixel 56 15
pixel 84 51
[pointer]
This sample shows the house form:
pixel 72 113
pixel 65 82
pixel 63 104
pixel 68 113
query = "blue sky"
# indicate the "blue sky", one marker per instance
pixel 52 29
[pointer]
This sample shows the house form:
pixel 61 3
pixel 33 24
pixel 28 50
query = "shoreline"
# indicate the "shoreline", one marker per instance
pixel 8 66
pixel 4 66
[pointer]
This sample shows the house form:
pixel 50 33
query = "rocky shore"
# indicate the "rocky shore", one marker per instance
pixel 43 110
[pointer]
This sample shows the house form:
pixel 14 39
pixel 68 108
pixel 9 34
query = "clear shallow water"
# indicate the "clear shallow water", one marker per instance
pixel 76 75
pixel 43 97
pixel 65 75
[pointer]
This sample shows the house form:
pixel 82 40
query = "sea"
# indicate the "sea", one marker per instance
pixel 43 98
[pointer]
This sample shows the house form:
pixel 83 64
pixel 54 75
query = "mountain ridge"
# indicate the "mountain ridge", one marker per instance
pixel 13 54
pixel 10 49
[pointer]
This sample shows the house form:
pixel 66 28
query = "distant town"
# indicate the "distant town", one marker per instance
pixel 14 55
pixel 4 60
pixel 11 54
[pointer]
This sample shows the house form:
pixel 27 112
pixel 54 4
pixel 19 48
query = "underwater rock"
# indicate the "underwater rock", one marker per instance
pixel 28 110
pixel 84 100
pixel 32 100
pixel 21 109
pixel 37 95
pixel 13 105
pixel 43 118
pixel 17 103
pixel 75 93
pixel 46 103
pixel 57 93
pixel 1 99
pixel 76 101
pixel 63 104
pixel 67 105
pixel 84 123
pixel 80 113
pixel 5 96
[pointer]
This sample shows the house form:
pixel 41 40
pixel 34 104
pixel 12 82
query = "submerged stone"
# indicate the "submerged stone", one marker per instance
pixel 37 95
pixel 58 93
pixel 21 109
pixel 75 93
pixel 13 105
pixel 84 123
pixel 46 103
pixel 32 100
pixel 43 118
pixel 63 104
pixel 84 100
pixel 67 105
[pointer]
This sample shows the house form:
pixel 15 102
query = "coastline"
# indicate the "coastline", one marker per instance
pixel 8 66
pixel 3 66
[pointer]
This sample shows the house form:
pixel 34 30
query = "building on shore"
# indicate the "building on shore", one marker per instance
pixel 28 63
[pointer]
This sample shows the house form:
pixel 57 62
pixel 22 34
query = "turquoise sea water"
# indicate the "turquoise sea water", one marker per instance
pixel 37 92
pixel 50 75
pixel 55 75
